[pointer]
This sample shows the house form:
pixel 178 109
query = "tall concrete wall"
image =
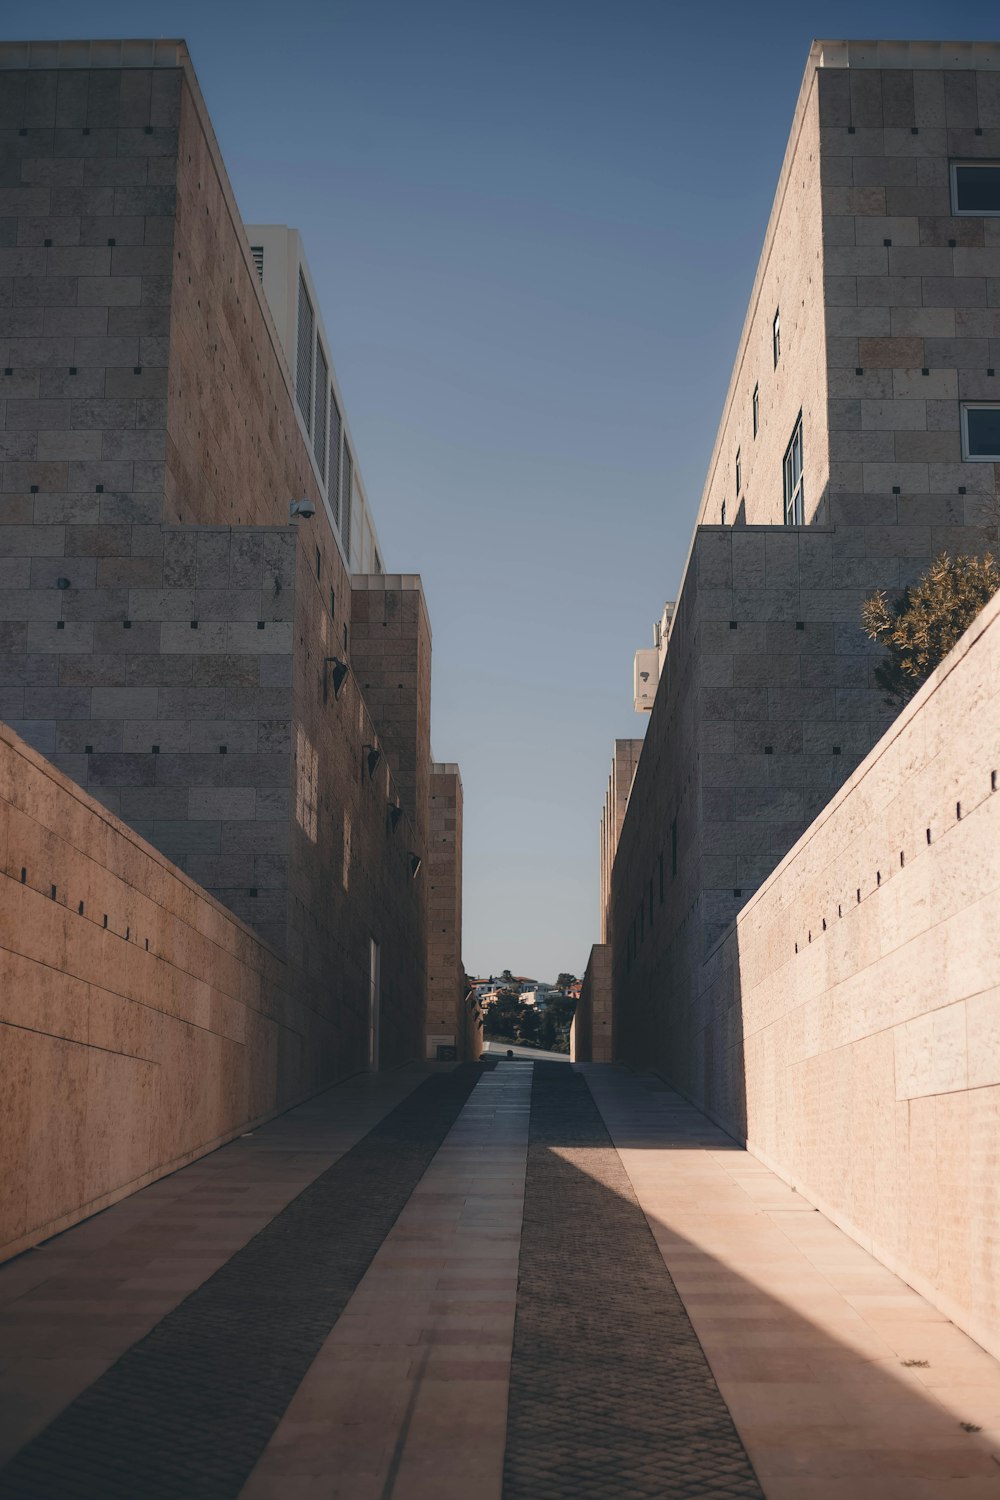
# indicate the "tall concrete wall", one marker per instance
pixel 447 1011
pixel 141 1023
pixel 848 1025
pixel 165 635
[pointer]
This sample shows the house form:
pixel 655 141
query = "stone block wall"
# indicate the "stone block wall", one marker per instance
pixel 766 704
pixel 141 1022
pixel 889 315
pixel 592 1031
pixel 156 595
pixel 447 1012
pixel 848 1025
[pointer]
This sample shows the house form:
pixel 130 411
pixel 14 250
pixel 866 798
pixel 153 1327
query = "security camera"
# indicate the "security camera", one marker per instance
pixel 304 508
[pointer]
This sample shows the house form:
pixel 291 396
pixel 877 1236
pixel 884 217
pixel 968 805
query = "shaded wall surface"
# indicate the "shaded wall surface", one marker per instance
pixel 447 1011
pixel 167 638
pixel 591 1034
pixel 848 1025
pixel 141 1023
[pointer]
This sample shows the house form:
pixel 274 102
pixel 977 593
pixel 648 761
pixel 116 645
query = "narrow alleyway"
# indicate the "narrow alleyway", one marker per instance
pixel 527 1281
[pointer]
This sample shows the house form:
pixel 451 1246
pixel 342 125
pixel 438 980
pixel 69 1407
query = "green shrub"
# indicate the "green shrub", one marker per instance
pixel 921 626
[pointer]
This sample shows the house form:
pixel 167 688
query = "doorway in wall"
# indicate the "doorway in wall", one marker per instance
pixel 374 1002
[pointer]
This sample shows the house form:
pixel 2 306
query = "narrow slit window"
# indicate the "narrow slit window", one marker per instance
pixel 739 472
pixel 793 481
pixel 319 425
pixel 304 355
pixel 776 337
pixel 756 409
pixel 333 489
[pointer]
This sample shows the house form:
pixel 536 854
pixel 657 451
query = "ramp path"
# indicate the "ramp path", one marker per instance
pixel 528 1282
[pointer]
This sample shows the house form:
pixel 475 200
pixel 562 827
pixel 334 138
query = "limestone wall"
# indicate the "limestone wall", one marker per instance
pixel 851 1016
pixel 141 1023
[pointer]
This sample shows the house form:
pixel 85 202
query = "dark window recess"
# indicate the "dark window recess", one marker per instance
pixel 333 602
pixel 739 472
pixel 304 355
pixel 776 337
pixel 346 493
pixel 319 563
pixel 756 410
pixel 794 489
pixel 976 188
pixel 673 848
pixel 983 431
pixel 257 251
pixel 333 488
pixel 319 426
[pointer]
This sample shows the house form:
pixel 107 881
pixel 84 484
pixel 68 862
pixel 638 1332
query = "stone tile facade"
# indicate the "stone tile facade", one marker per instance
pixel 168 638
pixel 448 1013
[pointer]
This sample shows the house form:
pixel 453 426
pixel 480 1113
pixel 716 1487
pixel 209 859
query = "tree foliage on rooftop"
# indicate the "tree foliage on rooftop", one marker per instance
pixel 564 980
pixel 920 627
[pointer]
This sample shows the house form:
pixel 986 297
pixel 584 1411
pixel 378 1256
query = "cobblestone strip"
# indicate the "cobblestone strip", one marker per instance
pixel 611 1396
pixel 186 1412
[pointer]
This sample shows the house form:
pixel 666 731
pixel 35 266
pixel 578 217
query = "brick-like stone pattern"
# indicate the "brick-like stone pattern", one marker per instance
pixel 849 1024
pixel 189 1409
pixel 619 1347
pixel 766 705
pixel 890 318
pixel 152 447
pixel 592 1032
pixel 623 764
pixel 447 1011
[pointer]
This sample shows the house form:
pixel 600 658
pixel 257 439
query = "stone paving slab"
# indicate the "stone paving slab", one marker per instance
pixel 844 1384
pixel 187 1410
pixel 611 1395
pixel 407 1398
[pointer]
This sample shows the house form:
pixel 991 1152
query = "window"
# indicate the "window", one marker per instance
pixel 257 251
pixel 739 473
pixel 776 337
pixel 334 486
pixel 319 563
pixel 756 409
pixel 975 187
pixel 795 513
pixel 304 355
pixel 981 432
pixel 333 603
pixel 319 426
pixel 723 513
pixel 346 494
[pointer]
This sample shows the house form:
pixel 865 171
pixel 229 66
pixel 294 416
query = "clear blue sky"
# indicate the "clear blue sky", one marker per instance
pixel 534 226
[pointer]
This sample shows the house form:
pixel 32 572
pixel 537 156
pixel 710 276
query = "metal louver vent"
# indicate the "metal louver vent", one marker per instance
pixel 257 251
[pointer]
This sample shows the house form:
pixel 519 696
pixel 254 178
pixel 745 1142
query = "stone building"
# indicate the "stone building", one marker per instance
pixel 860 437
pixel 215 662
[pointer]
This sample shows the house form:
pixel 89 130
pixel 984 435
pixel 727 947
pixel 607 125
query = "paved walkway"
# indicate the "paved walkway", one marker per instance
pixel 339 1305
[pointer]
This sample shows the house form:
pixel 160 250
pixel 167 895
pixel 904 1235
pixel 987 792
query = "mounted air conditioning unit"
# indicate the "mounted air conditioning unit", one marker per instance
pixel 646 676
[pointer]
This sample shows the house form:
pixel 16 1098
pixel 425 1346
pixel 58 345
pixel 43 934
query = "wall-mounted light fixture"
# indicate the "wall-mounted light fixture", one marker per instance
pixel 395 816
pixel 372 756
pixel 415 863
pixel 336 673
pixel 304 508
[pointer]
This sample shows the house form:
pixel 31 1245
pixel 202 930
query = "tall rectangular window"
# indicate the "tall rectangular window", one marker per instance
pixel 776 337
pixel 333 489
pixel 739 473
pixel 304 355
pixel 723 512
pixel 756 409
pixel 319 426
pixel 346 496
pixel 795 506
